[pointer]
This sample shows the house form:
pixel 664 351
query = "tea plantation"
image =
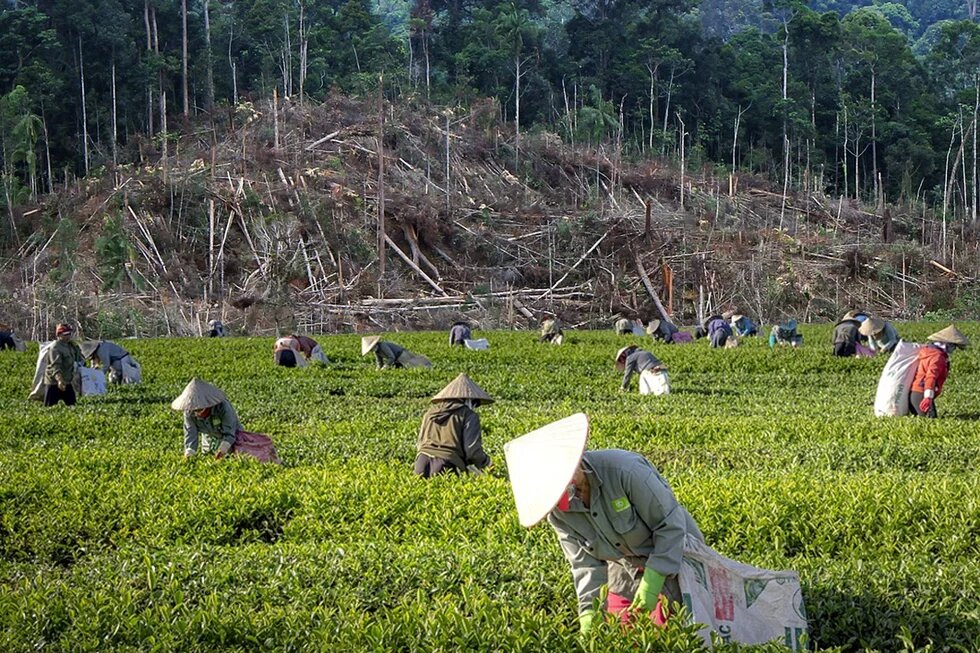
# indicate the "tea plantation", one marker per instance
pixel 110 541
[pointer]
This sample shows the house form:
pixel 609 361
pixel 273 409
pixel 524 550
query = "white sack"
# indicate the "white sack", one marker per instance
pixel 480 344
pixel 318 355
pixel 638 330
pixel 132 372
pixel 739 602
pixel 654 383
pixel 19 345
pixel 895 384
pixel 37 389
pixel 93 380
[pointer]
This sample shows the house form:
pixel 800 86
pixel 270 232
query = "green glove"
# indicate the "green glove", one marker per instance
pixel 585 620
pixel 645 599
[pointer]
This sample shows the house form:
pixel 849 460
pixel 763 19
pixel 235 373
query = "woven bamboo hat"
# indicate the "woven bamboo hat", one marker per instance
pixel 89 347
pixel 871 326
pixel 951 335
pixel 463 387
pixel 736 317
pixel 368 343
pixel 653 326
pixel 727 315
pixel 197 395
pixel 542 463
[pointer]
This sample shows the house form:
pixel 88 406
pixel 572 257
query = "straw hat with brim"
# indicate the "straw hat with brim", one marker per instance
pixel 89 347
pixel 951 335
pixel 542 463
pixel 197 395
pixel 368 343
pixel 463 387
pixel 737 317
pixel 653 326
pixel 727 315
pixel 871 326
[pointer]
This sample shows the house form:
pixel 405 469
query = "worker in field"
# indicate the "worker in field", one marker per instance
pixel 701 331
pixel 450 438
pixel 632 360
pixel 881 335
pixel 459 333
pixel 845 336
pixel 211 423
pixel 662 330
pixel 216 329
pixel 388 354
pixel 551 331
pixel 286 353
pixel 7 337
pixel 719 332
pixel 933 369
pixel 311 349
pixel 623 327
pixel 617 520
pixel 743 326
pixel 117 363
pixel 785 334
pixel 61 370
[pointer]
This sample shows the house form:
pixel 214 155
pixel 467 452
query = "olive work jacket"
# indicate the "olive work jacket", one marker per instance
pixel 451 431
pixel 220 426
pixel 386 354
pixel 633 517
pixel 63 359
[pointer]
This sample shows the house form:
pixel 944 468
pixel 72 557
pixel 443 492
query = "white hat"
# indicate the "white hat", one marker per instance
pixel 542 463
pixel 653 327
pixel 197 395
pixel 463 387
pixel 951 335
pixel 871 326
pixel 737 317
pixel 368 343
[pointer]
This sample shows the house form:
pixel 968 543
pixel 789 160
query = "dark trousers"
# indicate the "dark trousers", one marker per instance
pixel 286 358
pixel 7 341
pixel 844 349
pixel 53 395
pixel 719 338
pixel 915 399
pixel 427 467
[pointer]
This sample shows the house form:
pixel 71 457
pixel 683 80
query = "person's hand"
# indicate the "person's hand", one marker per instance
pixel 61 386
pixel 925 405
pixel 585 621
pixel 647 594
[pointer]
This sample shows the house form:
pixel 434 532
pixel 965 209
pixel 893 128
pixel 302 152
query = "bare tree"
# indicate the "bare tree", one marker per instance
pixel 183 52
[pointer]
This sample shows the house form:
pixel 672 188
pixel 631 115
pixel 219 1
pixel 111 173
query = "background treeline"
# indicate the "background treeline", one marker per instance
pixel 873 102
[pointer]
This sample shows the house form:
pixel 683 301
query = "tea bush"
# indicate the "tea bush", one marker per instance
pixel 110 541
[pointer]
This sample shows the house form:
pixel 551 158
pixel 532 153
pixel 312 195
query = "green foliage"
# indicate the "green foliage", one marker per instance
pixel 113 252
pixel 110 541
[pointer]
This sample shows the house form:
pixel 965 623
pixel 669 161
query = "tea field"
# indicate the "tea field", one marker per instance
pixel 110 541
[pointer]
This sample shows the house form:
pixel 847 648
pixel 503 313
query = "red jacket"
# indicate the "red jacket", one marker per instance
pixel 932 371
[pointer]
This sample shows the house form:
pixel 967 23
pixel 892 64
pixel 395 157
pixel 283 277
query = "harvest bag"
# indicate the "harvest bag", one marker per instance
pixel 19 345
pixel 256 445
pixel 862 351
pixel 739 602
pixel 895 384
pixel 93 380
pixel 639 330
pixel 318 355
pixel 132 372
pixel 37 389
pixel 681 338
pixel 479 345
pixel 654 383
pixel 410 360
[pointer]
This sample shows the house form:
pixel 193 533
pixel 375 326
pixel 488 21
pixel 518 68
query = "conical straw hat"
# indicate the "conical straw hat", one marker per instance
pixel 463 387
pixel 368 343
pixel 542 463
pixel 871 326
pixel 848 316
pixel 89 347
pixel 951 335
pixel 727 315
pixel 653 326
pixel 197 395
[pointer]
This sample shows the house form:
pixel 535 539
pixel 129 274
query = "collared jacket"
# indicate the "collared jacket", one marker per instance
pixel 846 332
pixel 932 370
pixel 451 431
pixel 718 324
pixel 632 516
pixel 63 360
pixel 458 333
pixel 220 426
pixel 639 361
pixel 386 354
pixel 885 340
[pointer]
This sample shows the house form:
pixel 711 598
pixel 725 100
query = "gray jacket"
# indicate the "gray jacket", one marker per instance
pixel 386 354
pixel 886 340
pixel 220 426
pixel 633 516
pixel 639 361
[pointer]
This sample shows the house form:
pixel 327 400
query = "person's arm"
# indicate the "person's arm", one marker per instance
pixel 936 369
pixel 55 362
pixel 891 339
pixel 589 573
pixel 656 505
pixel 473 442
pixel 190 434
pixel 628 372
pixel 229 422
pixel 379 358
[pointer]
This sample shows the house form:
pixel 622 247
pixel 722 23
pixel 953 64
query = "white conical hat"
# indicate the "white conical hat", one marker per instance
pixel 89 348
pixel 463 387
pixel 368 343
pixel 871 326
pixel 197 395
pixel 542 463
pixel 951 335
pixel 653 326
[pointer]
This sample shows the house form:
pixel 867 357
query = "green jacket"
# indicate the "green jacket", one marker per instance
pixel 63 359
pixel 220 426
pixel 451 431
pixel 386 354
